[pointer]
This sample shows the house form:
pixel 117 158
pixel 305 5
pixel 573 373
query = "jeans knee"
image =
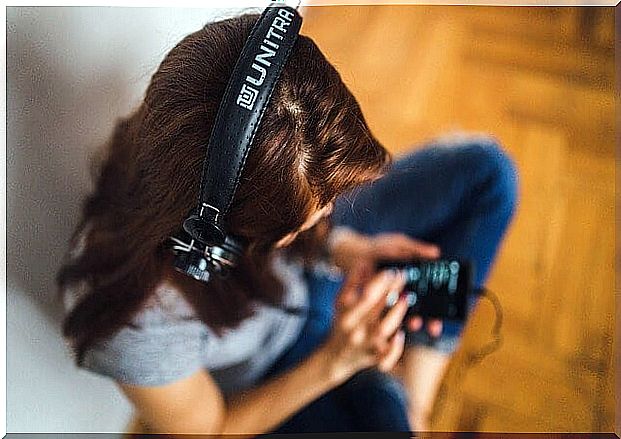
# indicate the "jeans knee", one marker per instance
pixel 372 381
pixel 505 177
pixel 488 157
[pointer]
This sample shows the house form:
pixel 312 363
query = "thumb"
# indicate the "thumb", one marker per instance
pixel 420 248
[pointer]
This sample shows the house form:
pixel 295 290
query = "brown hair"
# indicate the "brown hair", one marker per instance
pixel 312 145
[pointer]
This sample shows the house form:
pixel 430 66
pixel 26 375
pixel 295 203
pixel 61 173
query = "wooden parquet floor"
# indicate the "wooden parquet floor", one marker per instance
pixel 542 81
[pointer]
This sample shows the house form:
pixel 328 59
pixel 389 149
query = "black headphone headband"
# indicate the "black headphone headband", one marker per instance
pixel 246 97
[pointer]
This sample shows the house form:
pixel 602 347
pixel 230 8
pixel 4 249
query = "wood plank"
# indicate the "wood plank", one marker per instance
pixel 528 76
pixel 573 64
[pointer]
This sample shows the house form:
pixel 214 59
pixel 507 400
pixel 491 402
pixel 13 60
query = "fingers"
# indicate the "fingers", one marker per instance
pixel 434 326
pixel 387 327
pixel 373 317
pixel 415 323
pixel 394 353
pixel 392 320
pixel 396 245
pixel 422 249
pixel 373 298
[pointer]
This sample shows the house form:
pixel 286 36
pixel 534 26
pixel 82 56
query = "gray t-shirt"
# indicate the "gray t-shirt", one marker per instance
pixel 171 342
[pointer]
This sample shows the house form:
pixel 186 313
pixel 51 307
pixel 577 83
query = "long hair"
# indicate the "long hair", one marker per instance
pixel 312 145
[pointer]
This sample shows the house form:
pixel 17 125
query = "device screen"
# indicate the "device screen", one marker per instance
pixel 436 288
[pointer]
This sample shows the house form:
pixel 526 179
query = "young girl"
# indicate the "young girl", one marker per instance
pixel 296 338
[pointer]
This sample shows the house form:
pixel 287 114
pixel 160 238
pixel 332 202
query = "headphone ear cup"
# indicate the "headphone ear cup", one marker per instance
pixel 193 263
pixel 224 257
pixel 203 262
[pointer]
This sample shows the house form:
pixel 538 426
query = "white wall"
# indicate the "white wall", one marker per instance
pixel 70 73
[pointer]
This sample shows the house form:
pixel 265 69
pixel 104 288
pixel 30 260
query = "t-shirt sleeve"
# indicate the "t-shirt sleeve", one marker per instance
pixel 151 355
pixel 165 344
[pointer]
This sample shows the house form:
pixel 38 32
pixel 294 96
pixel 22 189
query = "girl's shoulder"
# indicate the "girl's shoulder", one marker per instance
pixel 165 305
pixel 164 342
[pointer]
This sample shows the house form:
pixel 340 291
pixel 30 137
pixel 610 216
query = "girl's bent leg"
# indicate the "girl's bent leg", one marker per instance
pixel 377 401
pixel 422 372
pixel 459 194
pixel 370 401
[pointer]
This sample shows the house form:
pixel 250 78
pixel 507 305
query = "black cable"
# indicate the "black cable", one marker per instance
pixel 495 344
pixel 478 356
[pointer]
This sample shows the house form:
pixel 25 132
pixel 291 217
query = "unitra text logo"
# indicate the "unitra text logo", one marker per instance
pixel 250 88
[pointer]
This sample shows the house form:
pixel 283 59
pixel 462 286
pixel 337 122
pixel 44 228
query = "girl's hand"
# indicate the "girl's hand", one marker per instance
pixel 350 249
pixel 362 335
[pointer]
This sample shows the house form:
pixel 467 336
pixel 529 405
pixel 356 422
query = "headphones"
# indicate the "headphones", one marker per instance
pixel 203 248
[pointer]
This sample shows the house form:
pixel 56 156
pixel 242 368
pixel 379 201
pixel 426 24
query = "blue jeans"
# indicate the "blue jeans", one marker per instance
pixel 459 194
